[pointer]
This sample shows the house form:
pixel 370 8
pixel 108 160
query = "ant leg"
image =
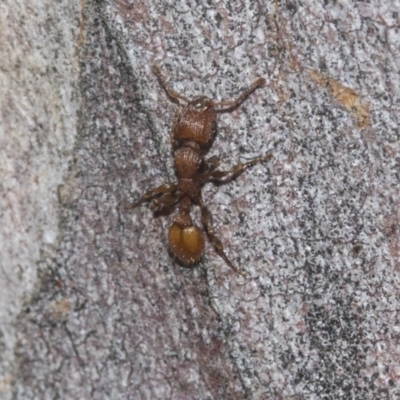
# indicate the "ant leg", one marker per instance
pixel 210 165
pixel 235 171
pixel 163 190
pixel 213 162
pixel 165 203
pixel 230 104
pixel 175 96
pixel 206 219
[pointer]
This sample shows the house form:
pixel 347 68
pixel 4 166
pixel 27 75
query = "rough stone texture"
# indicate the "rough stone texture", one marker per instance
pixel 112 316
pixel 38 118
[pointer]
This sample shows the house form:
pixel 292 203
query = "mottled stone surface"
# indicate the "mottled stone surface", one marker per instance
pixel 105 313
pixel 38 124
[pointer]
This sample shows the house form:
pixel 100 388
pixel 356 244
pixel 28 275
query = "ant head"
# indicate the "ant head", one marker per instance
pixel 202 103
pixel 186 243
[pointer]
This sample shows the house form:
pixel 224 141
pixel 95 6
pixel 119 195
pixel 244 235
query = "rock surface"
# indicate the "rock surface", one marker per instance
pixel 94 307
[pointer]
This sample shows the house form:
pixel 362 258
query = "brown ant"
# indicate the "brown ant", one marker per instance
pixel 192 135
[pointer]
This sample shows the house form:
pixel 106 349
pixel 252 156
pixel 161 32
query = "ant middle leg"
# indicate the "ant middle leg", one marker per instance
pixel 227 176
pixel 210 165
pixel 206 219
pixel 165 204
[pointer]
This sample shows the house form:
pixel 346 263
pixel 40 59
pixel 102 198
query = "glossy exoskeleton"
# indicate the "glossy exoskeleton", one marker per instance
pixel 192 136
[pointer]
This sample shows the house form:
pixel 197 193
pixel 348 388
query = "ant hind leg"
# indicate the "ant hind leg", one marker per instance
pixel 165 204
pixel 206 219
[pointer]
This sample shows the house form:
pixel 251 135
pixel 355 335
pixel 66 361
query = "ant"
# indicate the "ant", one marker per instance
pixel 192 136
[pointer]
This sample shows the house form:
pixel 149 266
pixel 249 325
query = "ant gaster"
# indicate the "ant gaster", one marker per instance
pixel 192 135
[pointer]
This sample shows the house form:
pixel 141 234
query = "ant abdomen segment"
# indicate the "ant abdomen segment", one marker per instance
pixel 186 240
pixel 186 243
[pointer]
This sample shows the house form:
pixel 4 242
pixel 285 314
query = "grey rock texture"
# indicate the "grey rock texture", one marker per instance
pixel 39 73
pixel 94 307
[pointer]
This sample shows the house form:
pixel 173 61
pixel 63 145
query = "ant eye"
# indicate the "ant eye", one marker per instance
pixel 187 244
pixel 202 103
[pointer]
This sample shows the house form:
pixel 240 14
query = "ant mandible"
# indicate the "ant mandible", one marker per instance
pixel 192 136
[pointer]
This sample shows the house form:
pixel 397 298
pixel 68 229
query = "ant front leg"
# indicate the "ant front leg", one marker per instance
pixel 235 171
pixel 206 219
pixel 228 105
pixel 175 96
pixel 165 193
